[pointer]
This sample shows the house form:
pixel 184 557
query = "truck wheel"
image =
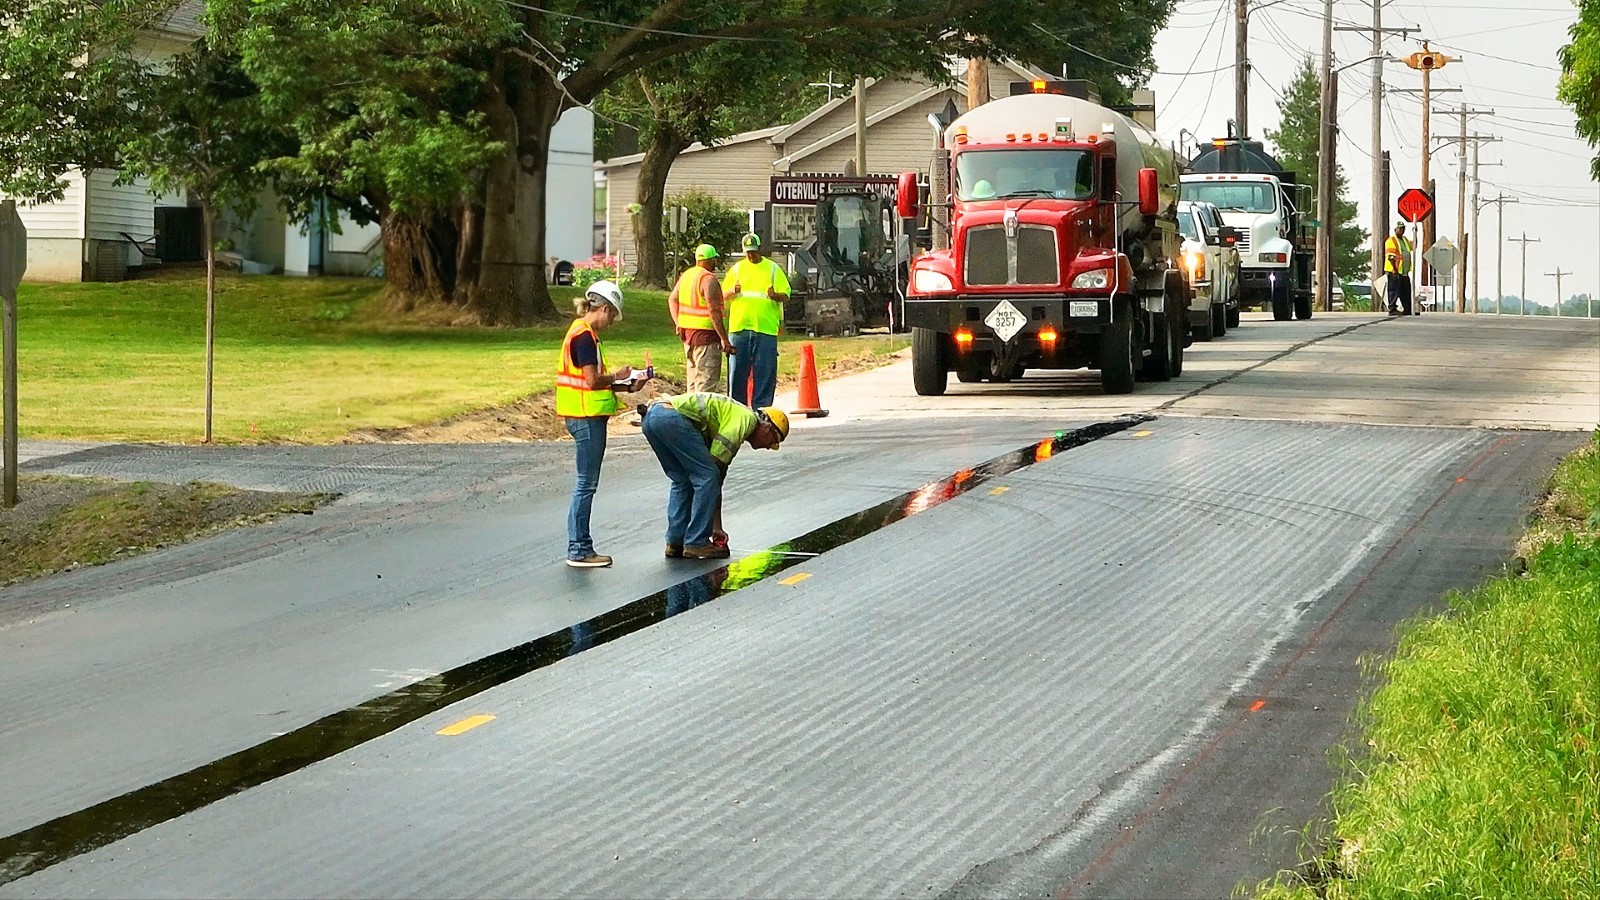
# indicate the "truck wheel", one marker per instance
pixel 1205 331
pixel 968 374
pixel 1116 356
pixel 1233 317
pixel 1281 311
pixel 1302 307
pixel 928 374
pixel 1158 365
pixel 1219 320
pixel 1175 357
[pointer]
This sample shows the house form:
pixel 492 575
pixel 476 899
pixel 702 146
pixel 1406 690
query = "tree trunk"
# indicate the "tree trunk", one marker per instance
pixel 512 285
pixel 469 249
pixel 208 219
pixel 649 241
pixel 418 258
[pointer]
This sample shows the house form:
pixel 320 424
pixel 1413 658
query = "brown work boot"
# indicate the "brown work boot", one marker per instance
pixel 709 551
pixel 674 551
pixel 592 561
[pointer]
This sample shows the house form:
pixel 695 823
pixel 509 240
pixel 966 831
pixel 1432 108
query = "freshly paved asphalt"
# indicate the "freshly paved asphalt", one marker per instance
pixel 1102 680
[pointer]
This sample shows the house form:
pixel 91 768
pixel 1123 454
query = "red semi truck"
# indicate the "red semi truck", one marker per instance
pixel 1055 243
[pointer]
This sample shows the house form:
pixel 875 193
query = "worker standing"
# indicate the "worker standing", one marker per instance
pixel 696 307
pixel 757 288
pixel 1397 271
pixel 695 437
pixel 586 398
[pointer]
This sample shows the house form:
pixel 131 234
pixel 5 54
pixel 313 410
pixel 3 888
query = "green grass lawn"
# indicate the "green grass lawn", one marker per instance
pixel 297 359
pixel 1480 770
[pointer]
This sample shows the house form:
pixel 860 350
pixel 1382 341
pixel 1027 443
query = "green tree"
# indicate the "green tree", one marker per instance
pixel 70 75
pixel 704 98
pixel 555 56
pixel 204 135
pixel 1580 75
pixel 1297 148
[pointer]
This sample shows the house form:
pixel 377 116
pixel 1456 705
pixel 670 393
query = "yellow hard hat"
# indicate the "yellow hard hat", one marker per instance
pixel 779 420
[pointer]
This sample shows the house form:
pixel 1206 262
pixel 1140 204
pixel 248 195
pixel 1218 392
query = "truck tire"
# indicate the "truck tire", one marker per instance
pixel 928 374
pixel 1205 331
pixel 1282 309
pixel 1302 307
pixel 1233 316
pixel 1219 320
pixel 1158 365
pixel 1116 355
pixel 968 374
pixel 1179 342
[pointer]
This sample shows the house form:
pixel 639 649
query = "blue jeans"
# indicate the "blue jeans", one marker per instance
pixel 696 477
pixel 589 436
pixel 754 353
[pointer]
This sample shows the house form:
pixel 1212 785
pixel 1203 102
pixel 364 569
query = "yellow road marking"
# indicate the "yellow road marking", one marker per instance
pixel 998 491
pixel 796 578
pixel 1143 433
pixel 465 725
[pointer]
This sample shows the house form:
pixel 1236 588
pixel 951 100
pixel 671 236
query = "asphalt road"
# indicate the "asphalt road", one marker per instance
pixel 1115 671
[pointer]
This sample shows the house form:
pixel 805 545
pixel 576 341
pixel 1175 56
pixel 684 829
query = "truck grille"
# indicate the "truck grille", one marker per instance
pixel 1031 258
pixel 1243 246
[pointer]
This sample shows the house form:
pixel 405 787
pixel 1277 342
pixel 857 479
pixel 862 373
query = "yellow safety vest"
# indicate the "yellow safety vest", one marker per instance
pixel 694 309
pixel 1397 255
pixel 574 398
pixel 753 310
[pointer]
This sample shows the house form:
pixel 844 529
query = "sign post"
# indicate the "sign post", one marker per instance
pixel 13 262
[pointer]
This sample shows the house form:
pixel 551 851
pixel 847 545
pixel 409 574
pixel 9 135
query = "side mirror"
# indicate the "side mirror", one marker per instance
pixel 1149 192
pixel 905 198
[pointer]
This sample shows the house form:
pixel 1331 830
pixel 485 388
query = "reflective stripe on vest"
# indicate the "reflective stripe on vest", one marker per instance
pixel 753 310
pixel 1397 251
pixel 694 310
pixel 574 398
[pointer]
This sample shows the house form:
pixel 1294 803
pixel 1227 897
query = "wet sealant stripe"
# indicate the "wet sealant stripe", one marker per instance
pixel 62 838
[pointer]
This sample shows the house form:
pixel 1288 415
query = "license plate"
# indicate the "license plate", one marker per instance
pixel 1005 320
pixel 1084 308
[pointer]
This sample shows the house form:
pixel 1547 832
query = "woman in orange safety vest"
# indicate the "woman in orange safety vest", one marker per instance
pixel 586 398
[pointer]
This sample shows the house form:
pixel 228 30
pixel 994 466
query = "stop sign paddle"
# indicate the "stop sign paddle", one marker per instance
pixel 1415 205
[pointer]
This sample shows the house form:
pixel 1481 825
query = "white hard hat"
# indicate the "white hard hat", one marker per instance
pixel 606 292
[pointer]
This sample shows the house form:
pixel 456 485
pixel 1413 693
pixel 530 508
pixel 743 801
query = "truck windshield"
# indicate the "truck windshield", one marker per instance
pixel 1249 196
pixel 998 174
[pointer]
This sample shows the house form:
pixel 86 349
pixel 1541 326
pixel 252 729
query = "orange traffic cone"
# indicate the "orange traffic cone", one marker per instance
pixel 810 402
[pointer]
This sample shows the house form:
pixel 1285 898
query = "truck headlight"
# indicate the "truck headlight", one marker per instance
pixel 1094 278
pixel 1195 261
pixel 927 281
pixel 1274 257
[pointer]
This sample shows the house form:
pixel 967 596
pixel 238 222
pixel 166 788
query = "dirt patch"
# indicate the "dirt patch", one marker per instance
pixel 62 523
pixel 534 418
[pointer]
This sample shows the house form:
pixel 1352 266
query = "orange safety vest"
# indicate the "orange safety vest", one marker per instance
pixel 694 310
pixel 574 398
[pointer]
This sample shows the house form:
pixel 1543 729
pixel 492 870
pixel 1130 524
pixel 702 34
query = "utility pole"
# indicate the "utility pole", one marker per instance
pixel 1241 67
pixel 1425 61
pixel 1461 142
pixel 1380 203
pixel 977 83
pixel 1325 167
pixel 1477 235
pixel 1500 247
pixel 1522 295
pixel 1500 239
pixel 1558 275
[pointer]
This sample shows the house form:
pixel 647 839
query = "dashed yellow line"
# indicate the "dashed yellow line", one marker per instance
pixel 998 491
pixel 795 578
pixel 465 725
pixel 1143 433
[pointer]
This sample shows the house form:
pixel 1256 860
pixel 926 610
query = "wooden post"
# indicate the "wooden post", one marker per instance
pixel 13 263
pixel 977 83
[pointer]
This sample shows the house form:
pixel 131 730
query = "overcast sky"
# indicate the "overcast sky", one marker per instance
pixel 1508 64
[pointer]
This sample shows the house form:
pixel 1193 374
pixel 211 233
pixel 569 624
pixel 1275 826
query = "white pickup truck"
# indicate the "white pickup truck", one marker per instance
pixel 1211 260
